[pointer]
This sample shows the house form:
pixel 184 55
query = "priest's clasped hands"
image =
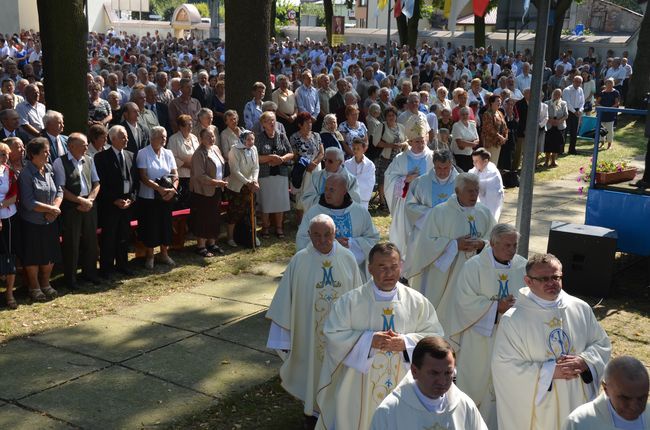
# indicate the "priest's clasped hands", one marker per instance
pixel 506 303
pixel 468 244
pixel 388 341
pixel 569 367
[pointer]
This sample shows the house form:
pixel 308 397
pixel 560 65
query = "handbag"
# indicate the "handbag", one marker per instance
pixel 8 261
pixel 166 182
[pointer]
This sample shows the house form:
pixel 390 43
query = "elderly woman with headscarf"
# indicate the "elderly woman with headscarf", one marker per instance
pixel 465 139
pixel 242 183
pixel 158 185
pixel 206 185
pixel 329 134
pixel 558 113
pixel 40 199
pixel 275 154
pixel 374 125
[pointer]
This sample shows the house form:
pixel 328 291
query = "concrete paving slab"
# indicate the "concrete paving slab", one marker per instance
pixel 208 365
pixel 561 213
pixel 119 398
pixel 194 312
pixel 252 331
pixel 246 288
pixel 114 338
pixel 15 418
pixel 29 367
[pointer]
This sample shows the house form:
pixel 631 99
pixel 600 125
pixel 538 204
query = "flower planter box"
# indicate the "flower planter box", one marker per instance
pixel 615 177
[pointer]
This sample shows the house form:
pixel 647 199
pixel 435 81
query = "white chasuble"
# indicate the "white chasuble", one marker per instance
pixel 403 409
pixel 311 283
pixel 348 396
pixel 314 186
pixel 426 192
pixel 433 269
pixel 396 190
pixel 529 341
pixel 597 415
pixel 469 317
pixel 352 222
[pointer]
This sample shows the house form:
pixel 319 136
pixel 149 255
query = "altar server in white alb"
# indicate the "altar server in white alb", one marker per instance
pixel 354 227
pixel 314 185
pixel 316 277
pixel 427 398
pixel 402 171
pixel 452 233
pixel 363 169
pixel 623 404
pixel 491 192
pixel 485 290
pixel 430 190
pixel 371 333
pixel 549 352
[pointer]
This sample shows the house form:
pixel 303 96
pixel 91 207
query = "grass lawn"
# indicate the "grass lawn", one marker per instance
pixel 624 315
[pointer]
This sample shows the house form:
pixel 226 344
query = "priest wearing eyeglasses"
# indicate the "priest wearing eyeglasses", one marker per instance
pixel 549 354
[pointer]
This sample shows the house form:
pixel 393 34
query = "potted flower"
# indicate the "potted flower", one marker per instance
pixel 607 173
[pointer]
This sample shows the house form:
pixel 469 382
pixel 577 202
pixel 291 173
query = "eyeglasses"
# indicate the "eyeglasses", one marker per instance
pixel 554 278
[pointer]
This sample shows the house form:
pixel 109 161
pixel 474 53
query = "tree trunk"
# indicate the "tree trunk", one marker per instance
pixel 402 30
pixel 247 31
pixel 329 13
pixel 413 25
pixel 274 4
pixel 640 80
pixel 214 18
pixel 65 62
pixel 555 33
pixel 479 31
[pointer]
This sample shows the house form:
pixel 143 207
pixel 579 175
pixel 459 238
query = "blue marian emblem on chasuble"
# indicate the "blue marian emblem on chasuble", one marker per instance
pixel 503 286
pixel 472 226
pixel 328 276
pixel 343 224
pixel 559 343
pixel 389 319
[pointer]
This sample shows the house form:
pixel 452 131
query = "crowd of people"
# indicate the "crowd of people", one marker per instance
pixel 426 135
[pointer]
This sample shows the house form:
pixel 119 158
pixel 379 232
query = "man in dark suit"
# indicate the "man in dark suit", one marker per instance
pixel 52 129
pixel 115 168
pixel 159 109
pixel 202 91
pixel 138 136
pixel 10 120
pixel 336 101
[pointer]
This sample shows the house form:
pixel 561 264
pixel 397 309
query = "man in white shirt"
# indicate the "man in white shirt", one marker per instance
pixel 622 405
pixel 575 100
pixel 31 111
pixel 524 79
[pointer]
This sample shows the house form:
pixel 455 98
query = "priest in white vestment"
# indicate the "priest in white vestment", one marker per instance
pixel 485 290
pixel 549 352
pixel 314 186
pixel 452 233
pixel 623 404
pixel 491 192
pixel 354 228
pixel 316 277
pixel 404 169
pixel 430 190
pixel 371 333
pixel 427 398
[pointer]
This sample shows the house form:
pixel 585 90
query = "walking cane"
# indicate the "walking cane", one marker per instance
pixel 253 220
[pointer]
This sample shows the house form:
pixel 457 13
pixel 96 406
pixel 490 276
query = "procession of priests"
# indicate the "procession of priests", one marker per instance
pixel 445 326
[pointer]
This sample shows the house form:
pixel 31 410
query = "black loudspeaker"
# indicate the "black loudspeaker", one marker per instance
pixel 587 254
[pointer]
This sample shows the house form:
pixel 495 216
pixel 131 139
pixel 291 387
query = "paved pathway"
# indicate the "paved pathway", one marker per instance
pixel 152 363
